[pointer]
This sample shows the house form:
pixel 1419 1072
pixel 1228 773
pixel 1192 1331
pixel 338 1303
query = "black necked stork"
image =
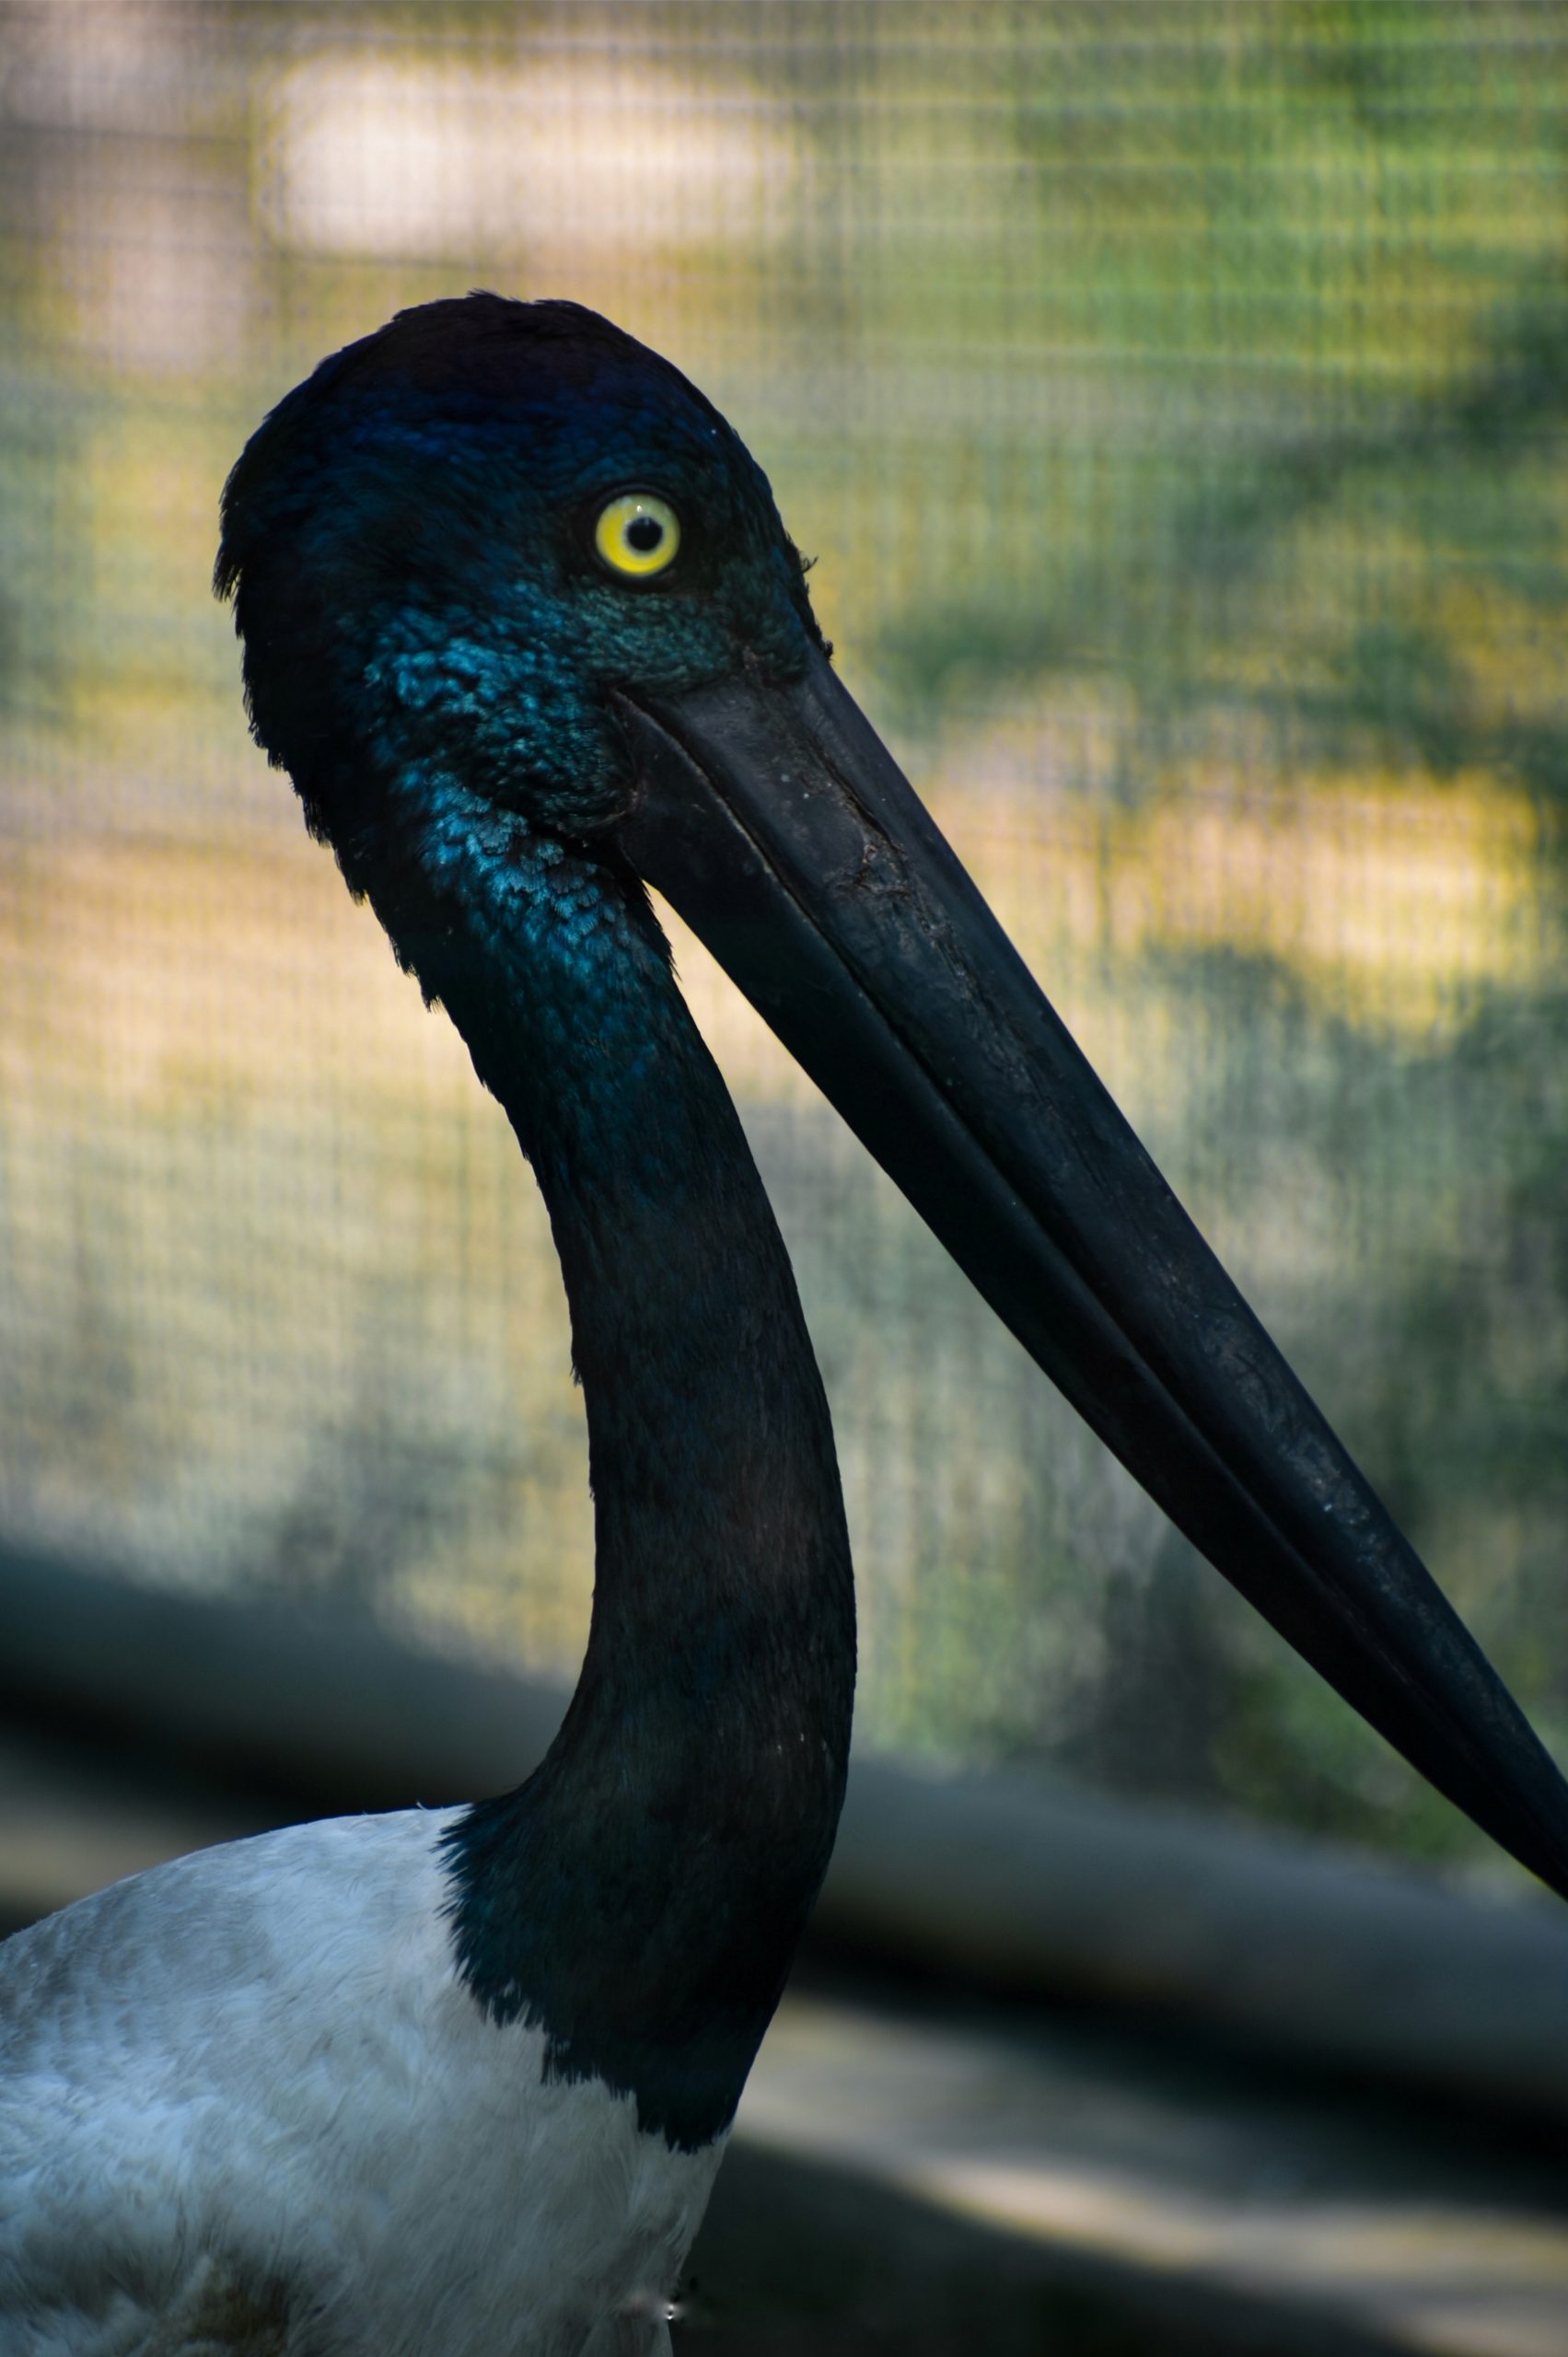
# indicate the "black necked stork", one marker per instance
pixel 521 622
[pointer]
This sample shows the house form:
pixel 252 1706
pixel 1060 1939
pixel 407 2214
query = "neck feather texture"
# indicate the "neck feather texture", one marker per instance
pixel 641 1896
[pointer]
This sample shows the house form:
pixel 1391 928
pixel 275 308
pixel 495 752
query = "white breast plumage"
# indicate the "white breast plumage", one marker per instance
pixel 247 2104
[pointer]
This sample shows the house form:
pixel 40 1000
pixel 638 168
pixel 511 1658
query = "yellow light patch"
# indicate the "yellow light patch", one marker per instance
pixel 637 534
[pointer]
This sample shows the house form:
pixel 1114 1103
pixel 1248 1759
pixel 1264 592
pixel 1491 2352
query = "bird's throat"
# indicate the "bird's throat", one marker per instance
pixel 641 1896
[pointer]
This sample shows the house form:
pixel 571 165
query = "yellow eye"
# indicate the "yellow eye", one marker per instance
pixel 637 534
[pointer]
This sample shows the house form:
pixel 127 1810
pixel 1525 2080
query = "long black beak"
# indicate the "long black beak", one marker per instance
pixel 777 823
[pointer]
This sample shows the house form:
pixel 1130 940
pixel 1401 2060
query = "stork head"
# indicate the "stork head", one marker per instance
pixel 460 535
pixel 502 544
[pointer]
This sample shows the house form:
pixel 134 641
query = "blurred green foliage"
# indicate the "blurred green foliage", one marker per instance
pixel 1174 396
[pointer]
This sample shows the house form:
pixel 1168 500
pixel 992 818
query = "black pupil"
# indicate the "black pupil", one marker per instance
pixel 644 533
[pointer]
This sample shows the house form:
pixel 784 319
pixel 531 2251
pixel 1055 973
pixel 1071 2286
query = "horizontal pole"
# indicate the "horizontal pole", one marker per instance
pixel 1002 1880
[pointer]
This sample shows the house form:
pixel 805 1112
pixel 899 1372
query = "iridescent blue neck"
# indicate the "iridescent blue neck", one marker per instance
pixel 642 1894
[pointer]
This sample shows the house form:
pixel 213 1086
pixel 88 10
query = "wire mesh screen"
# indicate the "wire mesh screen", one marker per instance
pixel 1173 396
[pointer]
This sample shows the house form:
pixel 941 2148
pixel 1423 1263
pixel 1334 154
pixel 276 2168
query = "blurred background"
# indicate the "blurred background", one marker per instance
pixel 1173 396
